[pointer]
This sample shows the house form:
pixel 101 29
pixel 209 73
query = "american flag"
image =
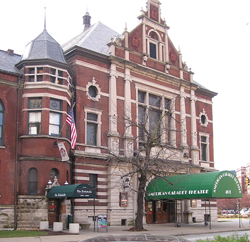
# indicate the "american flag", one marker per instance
pixel 71 121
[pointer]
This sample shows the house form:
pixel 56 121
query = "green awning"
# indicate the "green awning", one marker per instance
pixel 220 184
pixel 72 191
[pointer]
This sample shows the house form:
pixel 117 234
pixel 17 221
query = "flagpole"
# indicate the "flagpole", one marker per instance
pixel 64 124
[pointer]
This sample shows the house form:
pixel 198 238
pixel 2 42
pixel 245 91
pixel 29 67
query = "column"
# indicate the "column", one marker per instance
pixel 113 136
pixel 128 137
pixel 183 119
pixel 194 147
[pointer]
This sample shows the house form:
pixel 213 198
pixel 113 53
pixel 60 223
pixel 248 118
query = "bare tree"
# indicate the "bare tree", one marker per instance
pixel 155 153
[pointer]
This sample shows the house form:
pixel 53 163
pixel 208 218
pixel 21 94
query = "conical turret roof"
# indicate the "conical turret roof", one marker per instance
pixel 44 47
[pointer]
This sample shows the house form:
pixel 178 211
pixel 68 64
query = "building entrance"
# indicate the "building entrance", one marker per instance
pixel 160 211
pixel 54 208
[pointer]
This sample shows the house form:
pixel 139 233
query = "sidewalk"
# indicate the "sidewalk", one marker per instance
pixel 223 225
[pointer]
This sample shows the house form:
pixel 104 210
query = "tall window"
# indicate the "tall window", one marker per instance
pixel 33 181
pixel 153 49
pixel 92 129
pixel 153 45
pixel 154 115
pixel 1 123
pixel 55 117
pixel 93 180
pixel 35 116
pixel 204 147
pixel 93 126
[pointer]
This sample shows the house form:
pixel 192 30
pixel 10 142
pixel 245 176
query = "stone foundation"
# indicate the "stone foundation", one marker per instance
pixel 6 216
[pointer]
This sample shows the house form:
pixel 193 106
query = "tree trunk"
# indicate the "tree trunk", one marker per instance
pixel 140 203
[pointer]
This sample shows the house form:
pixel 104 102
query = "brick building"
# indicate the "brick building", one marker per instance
pixel 242 174
pixel 108 76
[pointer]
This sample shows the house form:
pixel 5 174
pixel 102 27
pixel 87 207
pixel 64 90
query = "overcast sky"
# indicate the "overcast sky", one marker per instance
pixel 213 35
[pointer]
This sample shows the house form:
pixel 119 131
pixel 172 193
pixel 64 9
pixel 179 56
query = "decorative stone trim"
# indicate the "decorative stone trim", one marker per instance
pixel 203 118
pixel 93 90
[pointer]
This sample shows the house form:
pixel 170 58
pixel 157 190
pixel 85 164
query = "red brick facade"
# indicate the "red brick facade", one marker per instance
pixel 142 60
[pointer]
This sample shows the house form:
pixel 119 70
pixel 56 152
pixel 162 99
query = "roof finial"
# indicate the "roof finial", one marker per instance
pixel 44 18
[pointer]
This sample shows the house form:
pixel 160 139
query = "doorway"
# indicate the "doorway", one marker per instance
pixel 54 211
pixel 159 211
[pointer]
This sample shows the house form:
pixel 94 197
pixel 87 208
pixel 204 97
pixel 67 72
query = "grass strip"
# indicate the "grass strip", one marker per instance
pixel 21 233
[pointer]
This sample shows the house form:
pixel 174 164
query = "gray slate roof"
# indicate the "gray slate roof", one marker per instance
pixel 44 47
pixel 95 38
pixel 8 61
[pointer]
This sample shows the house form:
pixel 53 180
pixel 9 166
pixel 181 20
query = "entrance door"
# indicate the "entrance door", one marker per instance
pixel 165 212
pixel 158 211
pixel 54 208
pixel 149 210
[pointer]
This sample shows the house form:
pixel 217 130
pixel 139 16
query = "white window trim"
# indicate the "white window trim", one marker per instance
pixel 49 73
pixel 99 124
pixel 207 150
pixel 159 44
pixel 206 121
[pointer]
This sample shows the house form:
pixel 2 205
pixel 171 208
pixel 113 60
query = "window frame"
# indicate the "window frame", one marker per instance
pixel 204 144
pixel 98 124
pixel 56 76
pixel 160 107
pixel 35 181
pixel 152 44
pixel 35 73
pixel 38 110
pixel 57 112
pixel 93 180
pixel 2 124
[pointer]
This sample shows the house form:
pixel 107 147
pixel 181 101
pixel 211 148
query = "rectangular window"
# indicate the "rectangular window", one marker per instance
pixel 92 129
pixel 204 143
pixel 154 123
pixel 93 180
pixel 141 97
pixel 31 70
pixel 35 103
pixel 92 126
pixel 33 181
pixel 35 74
pixel 31 78
pixel 152 48
pixel 154 115
pixel 54 124
pixel 56 76
pixel 35 117
pixel 154 100
pixel 35 123
pixel 141 122
pixel 55 118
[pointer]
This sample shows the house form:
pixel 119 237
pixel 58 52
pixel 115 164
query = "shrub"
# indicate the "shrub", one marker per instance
pixel 232 238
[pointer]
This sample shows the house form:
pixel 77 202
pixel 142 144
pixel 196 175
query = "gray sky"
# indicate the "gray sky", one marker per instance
pixel 213 35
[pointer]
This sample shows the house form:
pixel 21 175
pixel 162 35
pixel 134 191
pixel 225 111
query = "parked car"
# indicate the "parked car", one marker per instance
pixel 244 211
pixel 224 212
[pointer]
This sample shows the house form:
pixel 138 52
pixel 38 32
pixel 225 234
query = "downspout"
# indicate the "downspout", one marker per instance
pixel 16 157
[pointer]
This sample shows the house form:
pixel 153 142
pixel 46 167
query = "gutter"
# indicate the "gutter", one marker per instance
pixel 16 156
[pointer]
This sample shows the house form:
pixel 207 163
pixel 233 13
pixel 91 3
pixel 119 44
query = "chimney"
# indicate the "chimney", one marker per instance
pixel 10 52
pixel 86 21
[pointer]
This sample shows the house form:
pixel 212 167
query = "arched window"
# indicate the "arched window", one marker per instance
pixel 33 180
pixel 1 123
